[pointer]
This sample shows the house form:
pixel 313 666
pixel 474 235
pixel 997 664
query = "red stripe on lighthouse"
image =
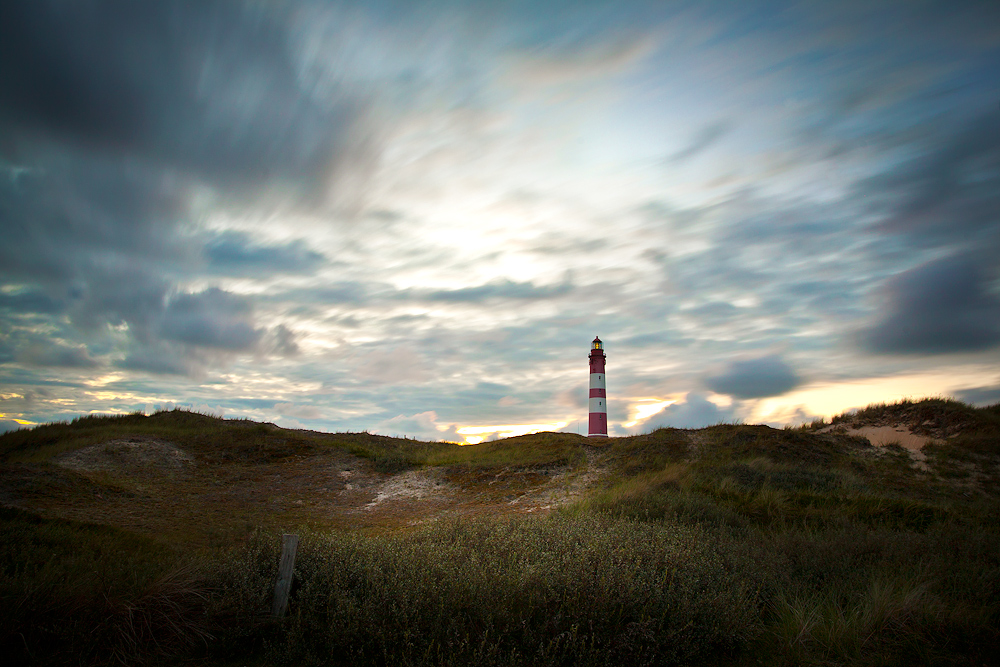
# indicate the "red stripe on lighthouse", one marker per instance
pixel 598 392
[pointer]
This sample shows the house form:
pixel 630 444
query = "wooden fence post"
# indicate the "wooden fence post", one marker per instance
pixel 289 544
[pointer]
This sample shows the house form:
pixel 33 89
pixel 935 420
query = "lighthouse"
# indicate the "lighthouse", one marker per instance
pixel 598 392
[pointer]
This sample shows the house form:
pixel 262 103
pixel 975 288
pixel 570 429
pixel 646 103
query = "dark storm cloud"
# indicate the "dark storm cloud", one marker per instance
pixel 45 352
pixel 80 211
pixel 234 253
pixel 948 194
pixel 939 307
pixel 755 378
pixel 34 349
pixel 114 118
pixel 213 318
pixel 31 301
pixel 192 332
pixel 161 359
pixel 122 293
pixel 206 86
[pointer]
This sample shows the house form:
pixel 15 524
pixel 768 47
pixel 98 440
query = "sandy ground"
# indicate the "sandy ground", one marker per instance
pixel 565 486
pixel 132 456
pixel 153 486
pixel 415 484
pixel 880 436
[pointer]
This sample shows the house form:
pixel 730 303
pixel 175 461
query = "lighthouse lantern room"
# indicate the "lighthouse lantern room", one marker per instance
pixel 598 392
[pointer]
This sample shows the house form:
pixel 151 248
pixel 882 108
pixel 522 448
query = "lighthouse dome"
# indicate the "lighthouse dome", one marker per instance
pixel 597 343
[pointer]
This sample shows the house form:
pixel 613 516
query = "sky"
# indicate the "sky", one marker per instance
pixel 412 218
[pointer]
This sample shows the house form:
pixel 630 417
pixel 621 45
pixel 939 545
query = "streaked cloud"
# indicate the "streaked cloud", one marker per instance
pixel 412 219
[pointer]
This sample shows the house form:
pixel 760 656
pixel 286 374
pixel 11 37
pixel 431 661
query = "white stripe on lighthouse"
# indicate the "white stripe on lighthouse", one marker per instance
pixel 597 381
pixel 598 405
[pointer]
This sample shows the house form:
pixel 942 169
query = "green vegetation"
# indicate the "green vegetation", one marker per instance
pixel 81 594
pixel 734 544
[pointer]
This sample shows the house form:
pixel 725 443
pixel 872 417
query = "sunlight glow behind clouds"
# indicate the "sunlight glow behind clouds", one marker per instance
pixel 646 409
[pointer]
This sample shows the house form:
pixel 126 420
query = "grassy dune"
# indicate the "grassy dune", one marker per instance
pixel 733 544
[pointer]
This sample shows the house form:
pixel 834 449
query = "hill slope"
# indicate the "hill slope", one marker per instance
pixel 194 477
pixel 135 538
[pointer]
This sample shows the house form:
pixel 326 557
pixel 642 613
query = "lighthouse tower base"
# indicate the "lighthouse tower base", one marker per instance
pixel 598 425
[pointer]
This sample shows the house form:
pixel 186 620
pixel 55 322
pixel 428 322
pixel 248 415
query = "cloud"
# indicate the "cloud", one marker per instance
pixel 234 253
pixel 210 87
pixel 392 365
pixel 163 359
pixel 47 352
pixel 300 411
pixel 38 349
pixel 197 330
pixel 282 341
pixel 212 318
pixel 583 60
pixel 498 149
pixel 754 378
pixel 980 396
pixel 124 125
pixel 949 193
pixel 708 136
pixel 502 289
pixel 9 425
pixel 31 301
pixel 84 217
pixel 694 412
pixel 940 307
pixel 422 426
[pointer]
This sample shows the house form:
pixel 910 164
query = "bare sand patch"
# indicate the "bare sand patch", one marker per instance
pixel 132 456
pixel 880 436
pixel 412 484
pixel 565 486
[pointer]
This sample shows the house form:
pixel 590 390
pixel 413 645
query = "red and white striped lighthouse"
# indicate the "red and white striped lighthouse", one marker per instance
pixel 598 392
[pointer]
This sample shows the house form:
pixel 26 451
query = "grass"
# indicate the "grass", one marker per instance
pixel 730 545
pixel 569 588
pixel 241 441
pixel 75 593
pixel 555 590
